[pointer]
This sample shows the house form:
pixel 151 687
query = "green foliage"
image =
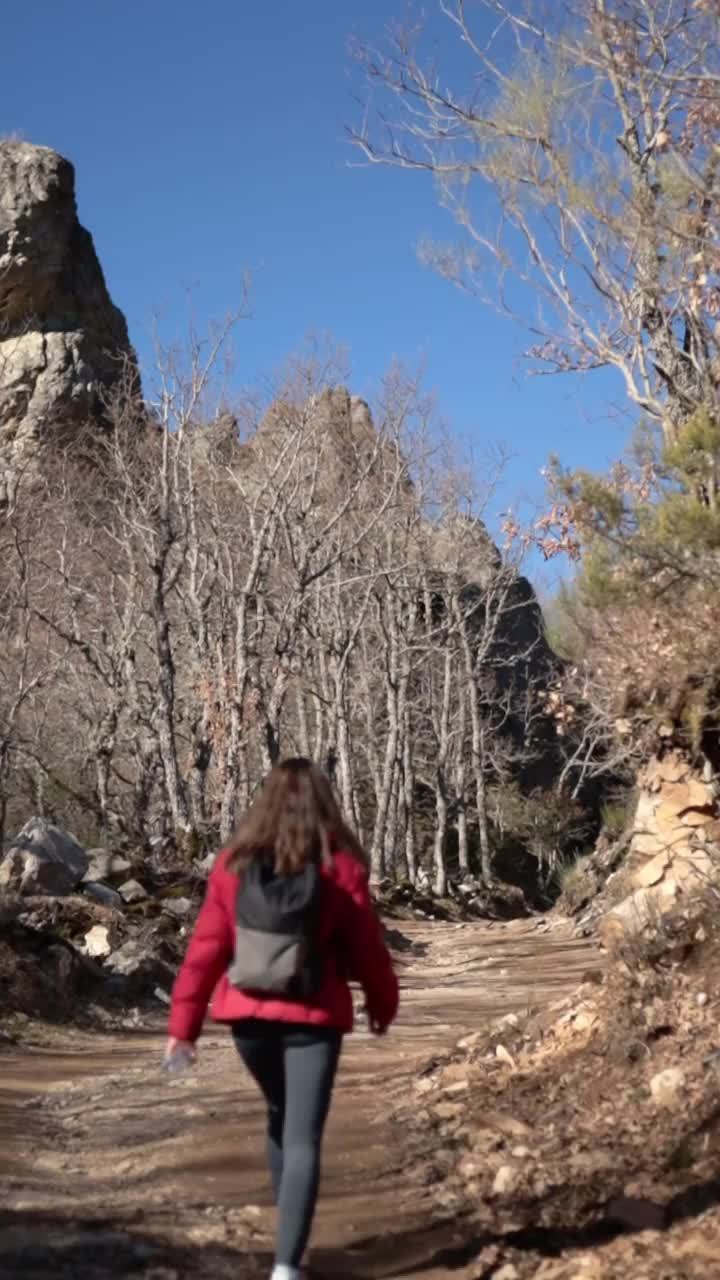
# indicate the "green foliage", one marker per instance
pixel 562 629
pixel 616 815
pixel 569 872
pixel 696 449
pixel 657 514
pixel 548 823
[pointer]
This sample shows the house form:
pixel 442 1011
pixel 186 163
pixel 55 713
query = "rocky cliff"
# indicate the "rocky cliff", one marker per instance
pixel 63 344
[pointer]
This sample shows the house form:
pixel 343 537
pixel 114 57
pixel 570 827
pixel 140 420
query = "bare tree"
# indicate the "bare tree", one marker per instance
pixel 580 159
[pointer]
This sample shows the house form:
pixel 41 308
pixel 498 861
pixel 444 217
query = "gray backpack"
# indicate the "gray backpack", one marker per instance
pixel 275 918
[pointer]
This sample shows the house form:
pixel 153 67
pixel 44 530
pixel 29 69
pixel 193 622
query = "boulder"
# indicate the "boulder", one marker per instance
pixel 139 967
pixel 42 859
pixel 104 865
pixel 103 893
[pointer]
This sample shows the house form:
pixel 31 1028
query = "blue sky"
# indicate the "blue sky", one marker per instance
pixel 209 140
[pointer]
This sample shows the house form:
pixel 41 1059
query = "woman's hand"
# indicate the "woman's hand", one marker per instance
pixel 376 1028
pixel 185 1047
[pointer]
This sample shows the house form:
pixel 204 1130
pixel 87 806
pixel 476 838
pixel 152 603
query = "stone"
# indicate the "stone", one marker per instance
pixel 637 911
pixel 696 865
pixel 448 1110
pixel 105 865
pixel 645 810
pixel 470 1167
pixel 672 767
pixel 504 1123
pixel 97 941
pixel 691 794
pixel 503 1055
pixel 179 907
pixel 666 1086
pixel 42 859
pixel 139 966
pixel 647 844
pixel 505 1180
pixel 132 891
pixel 102 893
pixel 470 1042
pixel 63 344
pixel 651 872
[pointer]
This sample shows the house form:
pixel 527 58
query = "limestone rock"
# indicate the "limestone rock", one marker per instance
pixel 42 859
pixel 105 865
pixel 132 891
pixel 97 941
pixel 63 344
pixel 651 872
pixel 139 966
pixel 666 1087
pixel 178 907
pixel 506 1180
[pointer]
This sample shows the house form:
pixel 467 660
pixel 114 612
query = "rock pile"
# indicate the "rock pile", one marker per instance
pixel 92 924
pixel 585 1135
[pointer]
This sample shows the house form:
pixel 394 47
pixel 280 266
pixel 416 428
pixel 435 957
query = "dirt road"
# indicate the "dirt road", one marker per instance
pixel 111 1170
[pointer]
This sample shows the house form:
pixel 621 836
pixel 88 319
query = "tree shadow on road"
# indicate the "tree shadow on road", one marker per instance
pixel 552 1242
pixel 35 1245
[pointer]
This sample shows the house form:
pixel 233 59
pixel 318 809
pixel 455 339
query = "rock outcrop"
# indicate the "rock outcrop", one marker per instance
pixel 63 344
pixel 673 846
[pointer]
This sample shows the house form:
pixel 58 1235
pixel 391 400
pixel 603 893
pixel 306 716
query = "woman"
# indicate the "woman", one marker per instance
pixel 283 988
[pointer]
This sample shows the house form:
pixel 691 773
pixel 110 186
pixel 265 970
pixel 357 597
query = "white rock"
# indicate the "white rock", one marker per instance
pixel 132 891
pixel 505 1056
pixel 505 1180
pixel 701 999
pixel 666 1086
pixel 97 941
pixel 105 865
pixel 177 906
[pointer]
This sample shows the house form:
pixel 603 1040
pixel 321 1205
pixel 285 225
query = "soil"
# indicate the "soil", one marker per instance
pixel 113 1170
pixel 465 1144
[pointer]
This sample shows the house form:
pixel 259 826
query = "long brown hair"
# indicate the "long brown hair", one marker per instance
pixel 294 819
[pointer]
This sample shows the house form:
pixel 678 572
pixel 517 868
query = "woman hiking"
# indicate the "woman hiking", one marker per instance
pixel 287 922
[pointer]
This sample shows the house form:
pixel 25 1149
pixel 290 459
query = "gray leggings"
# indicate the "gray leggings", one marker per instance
pixel 295 1066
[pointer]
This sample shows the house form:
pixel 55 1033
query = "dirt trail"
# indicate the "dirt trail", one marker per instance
pixel 111 1170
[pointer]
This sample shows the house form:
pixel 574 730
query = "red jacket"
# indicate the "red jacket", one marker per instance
pixel 356 951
